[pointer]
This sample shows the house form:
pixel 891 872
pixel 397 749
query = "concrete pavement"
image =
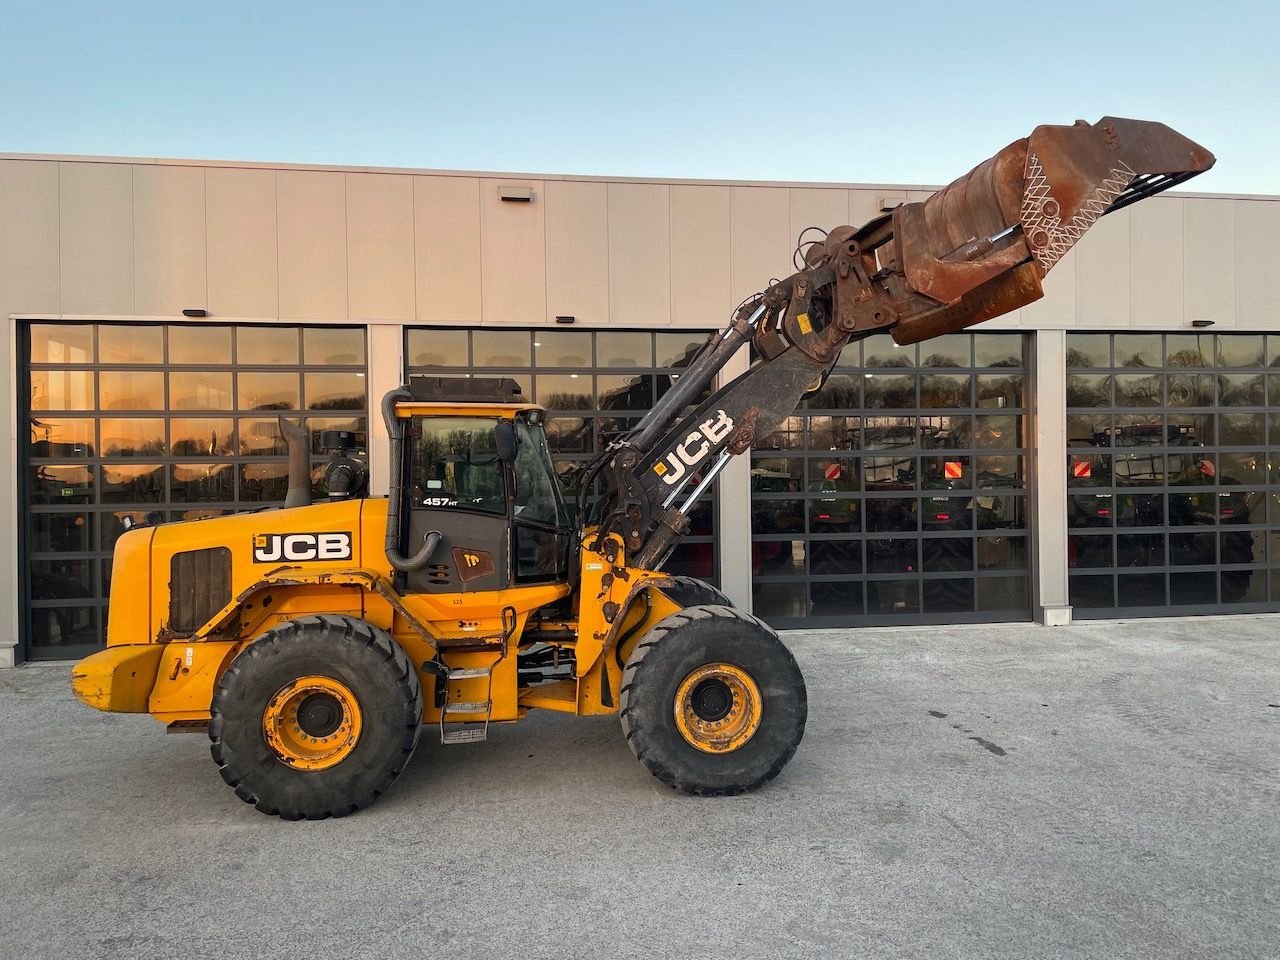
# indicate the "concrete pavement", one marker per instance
pixel 1100 791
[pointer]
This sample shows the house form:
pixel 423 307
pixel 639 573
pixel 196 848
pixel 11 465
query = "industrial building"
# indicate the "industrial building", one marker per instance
pixel 1111 450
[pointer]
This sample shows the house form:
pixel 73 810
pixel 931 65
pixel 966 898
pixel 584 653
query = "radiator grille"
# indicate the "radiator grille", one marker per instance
pixel 199 586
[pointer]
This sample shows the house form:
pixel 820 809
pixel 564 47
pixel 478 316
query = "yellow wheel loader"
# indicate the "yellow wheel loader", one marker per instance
pixel 314 642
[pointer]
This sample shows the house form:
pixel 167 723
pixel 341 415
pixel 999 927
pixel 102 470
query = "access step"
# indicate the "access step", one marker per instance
pixel 467 706
pixel 469 673
pixel 468 734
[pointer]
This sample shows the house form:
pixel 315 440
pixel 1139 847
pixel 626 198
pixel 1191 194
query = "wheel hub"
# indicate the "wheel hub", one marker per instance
pixel 718 708
pixel 312 723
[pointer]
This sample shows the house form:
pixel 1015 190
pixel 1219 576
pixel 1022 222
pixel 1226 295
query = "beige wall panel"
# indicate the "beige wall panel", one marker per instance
pixel 447 248
pixel 816 207
pixel 1257 287
pixel 1209 261
pixel 312 241
pixel 1057 308
pixel 700 256
pixel 96 249
pixel 1156 263
pixel 513 254
pixel 639 254
pixel 863 206
pixel 240 213
pixel 168 240
pixel 760 243
pixel 577 221
pixel 380 262
pixel 29 281
pixel 1102 296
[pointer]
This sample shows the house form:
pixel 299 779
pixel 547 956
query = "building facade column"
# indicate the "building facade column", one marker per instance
pixel 386 372
pixel 733 521
pixel 1048 473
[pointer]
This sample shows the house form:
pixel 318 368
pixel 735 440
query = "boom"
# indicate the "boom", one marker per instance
pixel 975 250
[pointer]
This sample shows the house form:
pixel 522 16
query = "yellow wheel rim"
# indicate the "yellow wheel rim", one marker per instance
pixel 718 708
pixel 312 723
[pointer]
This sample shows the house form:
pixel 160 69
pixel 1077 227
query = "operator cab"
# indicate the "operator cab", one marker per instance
pixel 479 472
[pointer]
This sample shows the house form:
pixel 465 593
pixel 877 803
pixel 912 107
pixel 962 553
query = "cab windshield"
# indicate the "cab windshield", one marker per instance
pixel 538 498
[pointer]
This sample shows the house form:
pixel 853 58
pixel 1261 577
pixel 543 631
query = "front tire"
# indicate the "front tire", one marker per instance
pixel 692 592
pixel 316 718
pixel 713 703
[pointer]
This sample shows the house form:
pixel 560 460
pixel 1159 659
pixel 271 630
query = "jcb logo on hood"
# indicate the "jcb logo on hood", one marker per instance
pixel 275 547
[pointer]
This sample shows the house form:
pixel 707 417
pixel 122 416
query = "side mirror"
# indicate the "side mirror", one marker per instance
pixel 504 436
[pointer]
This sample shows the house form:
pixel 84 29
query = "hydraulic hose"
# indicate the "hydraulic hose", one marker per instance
pixel 395 491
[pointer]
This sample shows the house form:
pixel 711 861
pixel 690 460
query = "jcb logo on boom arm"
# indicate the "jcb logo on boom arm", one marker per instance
pixel 694 448
pixel 275 547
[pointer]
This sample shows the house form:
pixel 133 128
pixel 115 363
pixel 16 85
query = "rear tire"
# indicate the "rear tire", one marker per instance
pixel 692 592
pixel 713 703
pixel 316 718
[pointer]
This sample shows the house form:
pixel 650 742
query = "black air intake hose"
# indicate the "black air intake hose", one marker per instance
pixel 395 491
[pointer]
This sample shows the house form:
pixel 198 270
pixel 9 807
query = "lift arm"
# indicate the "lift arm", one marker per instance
pixel 974 250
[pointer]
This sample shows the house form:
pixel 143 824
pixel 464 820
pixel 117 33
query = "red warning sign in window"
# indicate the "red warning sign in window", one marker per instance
pixel 1082 469
pixel 832 471
pixel 954 470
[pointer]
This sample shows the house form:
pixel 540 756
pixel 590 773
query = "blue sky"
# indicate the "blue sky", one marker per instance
pixel 910 92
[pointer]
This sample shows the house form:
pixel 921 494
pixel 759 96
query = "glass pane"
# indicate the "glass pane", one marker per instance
pixel 840 392
pixel 991 432
pixel 839 475
pixel 998 350
pixel 57 627
pixel 946 433
pixel 1000 391
pixel 1088 390
pixel 62 390
pixel 200 437
pixel 260 482
pixel 1084 552
pixel 261 438
pixel 1193 589
pixel 1088 350
pixel 333 346
pixel 1192 509
pixel 1004 593
pixel 947 553
pixel 1240 429
pixel 841 599
pixel 501 348
pixel 1243 468
pixel 267 391
pixel 948 595
pixel 890 473
pixel 196 482
pixel 1241 390
pixel 62 437
pixel 1243 546
pixel 777 516
pixel 61 343
pixel 438 348
pixel 118 343
pixel 779 600
pixel 777 557
pixel 357 426
pixel 835 515
pixel 60 532
pixel 951 390
pixel 135 437
pixel 1140 550
pixel 62 483
pixel 838 433
pixel 1189 350
pixel 951 350
pixel 624 349
pixel 950 471
pixel 1138 350
pixel 946 513
pixel 553 348
pixel 569 434
pixel 1190 390
pixel 201 390
pixel 133 483
pixel 777 474
pixel 1140 510
pixel 199 345
pixel 1240 350
pixel 893 596
pixel 1092 592
pixel 334 391
pixel 678 349
pixel 897 515
pixel 692 560
pixel 1002 553
pixel 835 557
pixel 1243 586
pixel 1000 512
pixel 1140 590
pixel 621 391
pixel 568 391
pixel 1001 471
pixel 266 345
pixel 883 352
pixel 889 391
pixel 1137 390
pixel 131 390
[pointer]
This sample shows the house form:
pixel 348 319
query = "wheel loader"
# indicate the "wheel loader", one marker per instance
pixel 315 642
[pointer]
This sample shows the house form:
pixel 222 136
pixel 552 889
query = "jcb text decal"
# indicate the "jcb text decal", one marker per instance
pixel 693 449
pixel 275 547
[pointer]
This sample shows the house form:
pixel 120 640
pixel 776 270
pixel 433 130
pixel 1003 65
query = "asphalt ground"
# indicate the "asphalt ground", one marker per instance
pixel 1102 791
